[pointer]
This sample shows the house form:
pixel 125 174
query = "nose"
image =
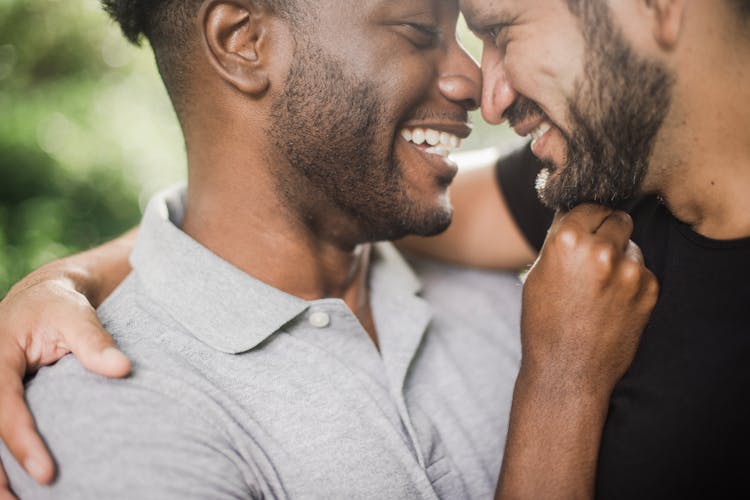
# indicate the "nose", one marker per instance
pixel 497 92
pixel 460 79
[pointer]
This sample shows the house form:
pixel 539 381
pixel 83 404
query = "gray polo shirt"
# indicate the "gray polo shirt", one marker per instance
pixel 242 391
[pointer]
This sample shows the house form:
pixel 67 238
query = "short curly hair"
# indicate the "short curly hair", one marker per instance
pixel 169 26
pixel 159 19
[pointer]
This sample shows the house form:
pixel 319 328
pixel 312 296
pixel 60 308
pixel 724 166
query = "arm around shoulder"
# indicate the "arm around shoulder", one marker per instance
pixel 45 316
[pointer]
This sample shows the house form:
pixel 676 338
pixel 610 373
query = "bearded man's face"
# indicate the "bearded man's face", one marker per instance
pixel 592 104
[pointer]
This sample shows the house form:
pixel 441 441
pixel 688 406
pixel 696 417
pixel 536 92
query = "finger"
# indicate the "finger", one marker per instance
pixel 4 485
pixel 3 478
pixel 557 220
pixel 18 431
pixel 633 252
pixel 616 228
pixel 95 348
pixel 588 216
pixel 5 493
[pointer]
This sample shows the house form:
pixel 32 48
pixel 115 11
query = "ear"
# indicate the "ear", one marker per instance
pixel 235 35
pixel 668 17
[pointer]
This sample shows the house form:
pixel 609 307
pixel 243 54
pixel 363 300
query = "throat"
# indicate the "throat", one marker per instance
pixel 715 208
pixel 368 323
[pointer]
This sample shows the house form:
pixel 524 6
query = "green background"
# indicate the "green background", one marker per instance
pixel 87 133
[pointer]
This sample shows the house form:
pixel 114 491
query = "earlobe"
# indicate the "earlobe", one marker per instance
pixel 235 34
pixel 668 21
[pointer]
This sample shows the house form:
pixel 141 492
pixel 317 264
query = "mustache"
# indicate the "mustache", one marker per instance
pixel 522 109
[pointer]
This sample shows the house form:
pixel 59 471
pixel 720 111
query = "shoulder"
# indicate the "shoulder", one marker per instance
pixel 128 438
pixel 130 316
pixel 153 434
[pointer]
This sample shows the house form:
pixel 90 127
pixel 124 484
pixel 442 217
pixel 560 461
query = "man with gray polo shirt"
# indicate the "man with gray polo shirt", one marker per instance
pixel 277 350
pixel 241 390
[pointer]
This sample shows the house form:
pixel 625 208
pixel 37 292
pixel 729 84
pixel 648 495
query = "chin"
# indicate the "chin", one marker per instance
pixel 413 222
pixel 432 223
pixel 437 227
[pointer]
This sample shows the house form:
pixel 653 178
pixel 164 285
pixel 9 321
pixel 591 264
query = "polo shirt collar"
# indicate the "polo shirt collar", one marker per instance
pixel 219 304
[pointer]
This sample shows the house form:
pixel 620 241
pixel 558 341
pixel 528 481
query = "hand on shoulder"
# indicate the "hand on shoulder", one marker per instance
pixel 44 317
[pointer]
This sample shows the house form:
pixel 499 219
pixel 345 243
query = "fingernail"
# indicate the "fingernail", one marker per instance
pixel 35 469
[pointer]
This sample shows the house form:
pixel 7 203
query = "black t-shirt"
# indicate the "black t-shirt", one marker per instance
pixel 679 420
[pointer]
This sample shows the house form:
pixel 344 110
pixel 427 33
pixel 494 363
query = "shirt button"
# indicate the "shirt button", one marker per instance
pixel 320 319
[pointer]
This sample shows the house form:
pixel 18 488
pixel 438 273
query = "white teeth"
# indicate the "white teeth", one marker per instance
pixel 538 132
pixel 432 137
pixel 441 143
pixel 418 136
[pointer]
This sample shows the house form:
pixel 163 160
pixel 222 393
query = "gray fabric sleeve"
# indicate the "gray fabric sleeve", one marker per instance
pixel 130 442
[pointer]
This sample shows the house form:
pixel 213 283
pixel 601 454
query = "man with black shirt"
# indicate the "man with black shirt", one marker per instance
pixel 640 105
pixel 630 98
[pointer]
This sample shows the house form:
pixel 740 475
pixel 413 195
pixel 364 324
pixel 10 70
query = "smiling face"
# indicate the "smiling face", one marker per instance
pixel 563 73
pixel 374 101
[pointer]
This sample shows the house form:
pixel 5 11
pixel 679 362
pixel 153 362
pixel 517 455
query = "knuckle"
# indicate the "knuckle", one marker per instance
pixel 630 274
pixel 605 253
pixel 72 298
pixel 624 219
pixel 652 288
pixel 567 238
pixel 634 252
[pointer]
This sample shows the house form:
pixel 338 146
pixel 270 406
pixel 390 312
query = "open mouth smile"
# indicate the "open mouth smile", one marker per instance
pixel 433 141
pixel 436 139
pixel 539 128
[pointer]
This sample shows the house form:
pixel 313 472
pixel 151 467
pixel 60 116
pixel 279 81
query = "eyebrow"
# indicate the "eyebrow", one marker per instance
pixel 492 19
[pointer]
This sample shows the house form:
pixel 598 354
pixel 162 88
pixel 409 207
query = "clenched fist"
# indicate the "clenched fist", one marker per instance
pixel 586 300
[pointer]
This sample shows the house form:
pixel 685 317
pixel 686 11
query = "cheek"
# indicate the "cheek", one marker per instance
pixel 409 76
pixel 528 76
pixel 544 74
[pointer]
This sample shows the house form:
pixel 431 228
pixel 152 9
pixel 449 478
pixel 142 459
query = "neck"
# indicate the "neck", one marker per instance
pixel 234 208
pixel 705 177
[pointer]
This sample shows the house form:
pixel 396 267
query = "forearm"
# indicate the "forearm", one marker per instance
pixel 93 273
pixel 553 439
pixel 96 272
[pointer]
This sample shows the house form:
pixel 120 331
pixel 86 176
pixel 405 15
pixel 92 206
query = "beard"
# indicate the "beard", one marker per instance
pixel 333 130
pixel 615 115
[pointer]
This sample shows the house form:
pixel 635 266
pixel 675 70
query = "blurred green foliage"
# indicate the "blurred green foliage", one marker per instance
pixel 87 132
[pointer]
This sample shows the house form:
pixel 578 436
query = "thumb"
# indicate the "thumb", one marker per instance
pixel 95 348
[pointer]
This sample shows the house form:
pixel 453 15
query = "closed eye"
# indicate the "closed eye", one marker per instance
pixel 497 32
pixel 422 35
